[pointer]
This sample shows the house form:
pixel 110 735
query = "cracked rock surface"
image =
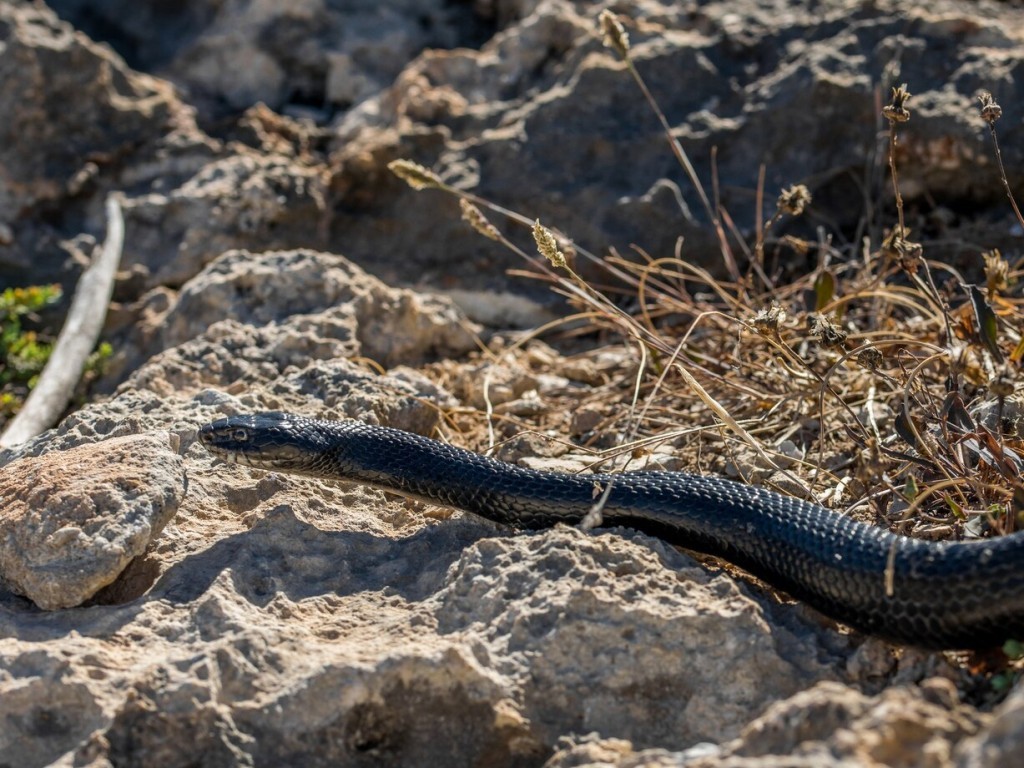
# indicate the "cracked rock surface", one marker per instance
pixel 158 607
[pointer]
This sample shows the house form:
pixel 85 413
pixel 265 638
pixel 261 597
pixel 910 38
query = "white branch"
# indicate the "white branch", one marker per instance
pixel 77 339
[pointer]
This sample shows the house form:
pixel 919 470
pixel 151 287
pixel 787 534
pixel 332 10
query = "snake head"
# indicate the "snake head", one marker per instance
pixel 272 441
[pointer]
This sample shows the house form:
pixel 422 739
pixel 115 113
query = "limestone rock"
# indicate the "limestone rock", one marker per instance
pixel 309 52
pixel 55 138
pixel 71 521
pixel 239 201
pixel 293 620
pixel 388 325
pixel 290 308
pixel 741 79
pixel 827 726
pixel 1001 741
pixel 562 614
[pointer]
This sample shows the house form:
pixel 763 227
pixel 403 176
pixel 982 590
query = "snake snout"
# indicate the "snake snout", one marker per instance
pixel 263 441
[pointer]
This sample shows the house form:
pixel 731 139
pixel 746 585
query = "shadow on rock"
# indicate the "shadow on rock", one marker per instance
pixel 283 554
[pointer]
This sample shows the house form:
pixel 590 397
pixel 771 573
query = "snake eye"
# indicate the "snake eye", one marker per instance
pixel 241 435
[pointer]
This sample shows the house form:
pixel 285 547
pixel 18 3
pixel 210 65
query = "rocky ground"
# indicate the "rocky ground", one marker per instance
pixel 160 608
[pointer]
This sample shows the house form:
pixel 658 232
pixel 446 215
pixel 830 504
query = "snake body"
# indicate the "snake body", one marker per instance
pixel 937 594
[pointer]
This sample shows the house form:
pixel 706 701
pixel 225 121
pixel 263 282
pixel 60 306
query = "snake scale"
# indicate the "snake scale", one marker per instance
pixel 941 594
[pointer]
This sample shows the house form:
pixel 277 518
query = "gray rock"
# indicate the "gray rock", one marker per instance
pixel 43 694
pixel 241 200
pixel 540 117
pixel 344 305
pixel 601 632
pixel 283 308
pixel 1001 741
pixel 828 725
pixel 325 54
pixel 55 138
pixel 71 521
pixel 287 620
pixel 568 137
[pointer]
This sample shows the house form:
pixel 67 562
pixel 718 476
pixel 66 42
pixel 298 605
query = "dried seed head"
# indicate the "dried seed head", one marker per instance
pixel 898 246
pixel 870 358
pixel 990 110
pixel 614 34
pixel 798 244
pixel 896 111
pixel 997 271
pixel 767 321
pixel 825 331
pixel 547 246
pixel 1001 383
pixel 415 175
pixel 794 199
pixel 476 219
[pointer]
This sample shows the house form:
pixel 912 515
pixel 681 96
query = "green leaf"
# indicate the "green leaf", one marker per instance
pixel 910 489
pixel 824 289
pixel 1014 649
pixel 988 324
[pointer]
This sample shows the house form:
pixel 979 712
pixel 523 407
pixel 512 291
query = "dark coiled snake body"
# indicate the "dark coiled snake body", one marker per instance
pixel 929 594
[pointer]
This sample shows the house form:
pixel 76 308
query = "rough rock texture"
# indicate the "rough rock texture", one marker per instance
pixel 385 324
pixel 283 620
pixel 517 100
pixel 235 202
pixel 70 521
pixel 287 621
pixel 546 121
pixel 93 106
pixel 323 55
pixel 828 724
pixel 92 112
pixel 333 308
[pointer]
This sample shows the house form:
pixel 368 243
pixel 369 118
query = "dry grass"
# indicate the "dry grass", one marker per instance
pixel 861 385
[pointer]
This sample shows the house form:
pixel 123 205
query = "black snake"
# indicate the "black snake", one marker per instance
pixel 924 593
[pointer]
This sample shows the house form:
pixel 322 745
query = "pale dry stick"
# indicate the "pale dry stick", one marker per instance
pixel 490 410
pixel 595 517
pixel 77 339
pixel 890 569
